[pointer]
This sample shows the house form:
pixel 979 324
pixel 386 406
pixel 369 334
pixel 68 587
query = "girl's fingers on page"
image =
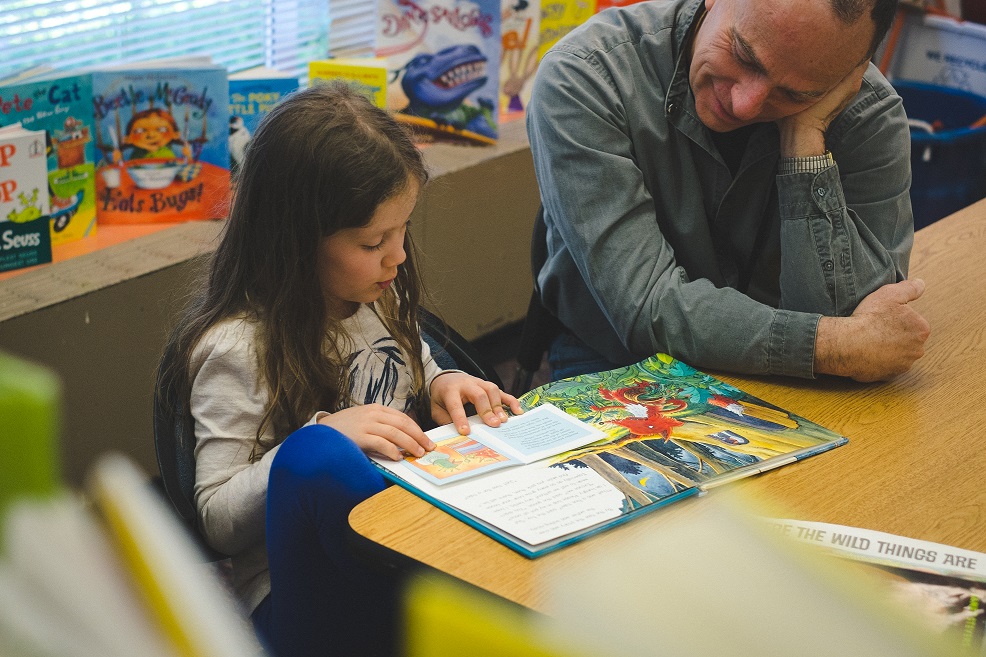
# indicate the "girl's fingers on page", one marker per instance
pixel 452 404
pixel 402 440
pixel 487 400
pixel 440 415
pixel 381 447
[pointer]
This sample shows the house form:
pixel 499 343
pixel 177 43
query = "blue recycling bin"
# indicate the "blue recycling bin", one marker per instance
pixel 948 158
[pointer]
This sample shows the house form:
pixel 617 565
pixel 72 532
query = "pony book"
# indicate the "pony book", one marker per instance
pixel 162 133
pixel 443 61
pixel 668 432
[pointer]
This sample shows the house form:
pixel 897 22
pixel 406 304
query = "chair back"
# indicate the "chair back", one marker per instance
pixel 452 351
pixel 174 446
pixel 540 326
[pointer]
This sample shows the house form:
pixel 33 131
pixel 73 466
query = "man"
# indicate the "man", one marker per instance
pixel 727 181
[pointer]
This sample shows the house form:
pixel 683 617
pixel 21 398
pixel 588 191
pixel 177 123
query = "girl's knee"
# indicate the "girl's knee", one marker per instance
pixel 322 457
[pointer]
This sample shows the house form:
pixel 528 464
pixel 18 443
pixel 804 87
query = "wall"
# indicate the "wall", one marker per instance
pixel 100 320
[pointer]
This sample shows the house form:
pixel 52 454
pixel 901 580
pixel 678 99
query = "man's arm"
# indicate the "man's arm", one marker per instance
pixel 883 336
pixel 846 229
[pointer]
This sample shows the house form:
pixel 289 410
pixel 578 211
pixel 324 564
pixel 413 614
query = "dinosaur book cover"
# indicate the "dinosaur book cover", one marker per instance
pixel 25 237
pixel 671 431
pixel 163 141
pixel 61 105
pixel 443 63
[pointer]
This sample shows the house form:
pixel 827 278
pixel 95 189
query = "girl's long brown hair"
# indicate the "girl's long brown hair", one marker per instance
pixel 323 160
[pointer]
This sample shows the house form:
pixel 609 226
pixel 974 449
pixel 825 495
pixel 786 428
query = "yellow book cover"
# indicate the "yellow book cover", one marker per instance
pixel 559 17
pixel 368 75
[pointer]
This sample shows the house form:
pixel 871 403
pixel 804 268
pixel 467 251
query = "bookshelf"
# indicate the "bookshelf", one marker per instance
pixel 99 319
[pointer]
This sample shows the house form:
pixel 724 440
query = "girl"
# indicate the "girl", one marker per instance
pixel 301 354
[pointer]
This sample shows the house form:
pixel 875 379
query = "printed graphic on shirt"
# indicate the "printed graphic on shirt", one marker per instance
pixel 375 375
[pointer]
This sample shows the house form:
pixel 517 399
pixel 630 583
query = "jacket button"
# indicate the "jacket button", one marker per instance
pixel 828 265
pixel 672 108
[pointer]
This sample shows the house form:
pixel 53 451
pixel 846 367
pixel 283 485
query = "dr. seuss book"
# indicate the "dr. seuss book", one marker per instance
pixel 559 17
pixel 60 104
pixel 366 75
pixel 163 136
pixel 669 431
pixel 444 61
pixel 252 94
pixel 25 237
pixel 520 27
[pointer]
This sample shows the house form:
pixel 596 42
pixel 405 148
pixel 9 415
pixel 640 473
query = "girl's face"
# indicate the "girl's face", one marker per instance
pixel 357 265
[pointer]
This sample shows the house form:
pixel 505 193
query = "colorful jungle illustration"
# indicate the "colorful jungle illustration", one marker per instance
pixel 673 427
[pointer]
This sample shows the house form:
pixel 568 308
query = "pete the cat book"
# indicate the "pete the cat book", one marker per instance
pixel 61 105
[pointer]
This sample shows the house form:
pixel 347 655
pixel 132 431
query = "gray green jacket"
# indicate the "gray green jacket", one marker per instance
pixel 649 235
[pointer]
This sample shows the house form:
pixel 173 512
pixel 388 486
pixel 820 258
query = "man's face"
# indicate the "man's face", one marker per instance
pixel 755 61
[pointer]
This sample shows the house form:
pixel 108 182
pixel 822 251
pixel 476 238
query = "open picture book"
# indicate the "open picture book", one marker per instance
pixel 629 440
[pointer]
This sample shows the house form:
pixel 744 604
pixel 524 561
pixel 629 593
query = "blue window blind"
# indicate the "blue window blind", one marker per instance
pixel 239 34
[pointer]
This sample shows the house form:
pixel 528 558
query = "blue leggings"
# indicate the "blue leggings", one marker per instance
pixel 322 600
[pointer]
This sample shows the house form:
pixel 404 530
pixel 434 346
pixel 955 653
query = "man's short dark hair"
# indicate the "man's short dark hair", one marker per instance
pixel 882 13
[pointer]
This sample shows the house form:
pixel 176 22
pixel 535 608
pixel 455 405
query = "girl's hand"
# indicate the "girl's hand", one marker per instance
pixel 379 429
pixel 450 392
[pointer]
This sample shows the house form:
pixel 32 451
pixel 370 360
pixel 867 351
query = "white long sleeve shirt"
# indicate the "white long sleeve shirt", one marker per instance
pixel 227 404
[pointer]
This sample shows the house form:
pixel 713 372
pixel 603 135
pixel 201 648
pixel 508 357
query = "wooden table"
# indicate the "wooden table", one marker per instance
pixel 915 464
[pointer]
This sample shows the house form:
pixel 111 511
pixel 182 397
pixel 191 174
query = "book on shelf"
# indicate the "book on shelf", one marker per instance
pixel 61 105
pixel 367 75
pixel 670 432
pixel 521 27
pixel 559 17
pixel 444 64
pixel 25 234
pixel 606 4
pixel 943 585
pixel 252 95
pixel 162 130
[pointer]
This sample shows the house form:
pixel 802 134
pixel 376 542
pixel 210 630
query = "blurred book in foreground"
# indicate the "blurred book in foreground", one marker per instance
pixel 115 576
pixel 717 581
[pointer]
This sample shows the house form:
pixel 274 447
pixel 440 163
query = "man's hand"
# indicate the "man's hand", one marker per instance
pixel 803 134
pixel 881 339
